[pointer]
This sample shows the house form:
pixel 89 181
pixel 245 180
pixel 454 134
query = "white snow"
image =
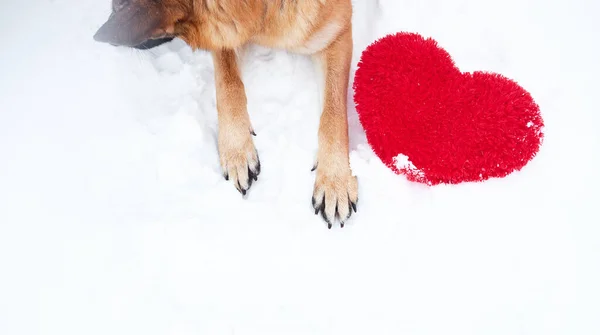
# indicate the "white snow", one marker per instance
pixel 114 217
pixel 403 163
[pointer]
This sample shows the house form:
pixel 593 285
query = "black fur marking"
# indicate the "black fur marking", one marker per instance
pixel 149 44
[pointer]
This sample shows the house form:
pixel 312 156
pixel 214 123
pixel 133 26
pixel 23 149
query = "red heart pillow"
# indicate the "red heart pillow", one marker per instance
pixel 426 119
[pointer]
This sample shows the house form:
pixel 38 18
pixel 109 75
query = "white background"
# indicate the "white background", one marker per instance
pixel 114 217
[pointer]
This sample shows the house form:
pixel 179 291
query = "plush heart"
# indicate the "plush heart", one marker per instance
pixel 426 119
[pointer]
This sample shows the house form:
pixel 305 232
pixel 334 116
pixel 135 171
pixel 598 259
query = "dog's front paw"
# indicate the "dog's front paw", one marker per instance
pixel 239 160
pixel 335 194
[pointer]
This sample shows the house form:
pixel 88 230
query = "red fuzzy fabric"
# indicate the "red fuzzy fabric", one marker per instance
pixel 453 127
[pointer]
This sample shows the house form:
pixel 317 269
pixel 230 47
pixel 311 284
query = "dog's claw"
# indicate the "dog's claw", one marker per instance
pixel 252 175
pixel 253 133
pixel 319 206
pixel 324 216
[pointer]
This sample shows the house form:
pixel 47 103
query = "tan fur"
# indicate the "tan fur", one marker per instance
pixel 321 28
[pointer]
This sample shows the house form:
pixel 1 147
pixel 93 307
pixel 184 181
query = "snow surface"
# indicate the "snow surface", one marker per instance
pixel 114 217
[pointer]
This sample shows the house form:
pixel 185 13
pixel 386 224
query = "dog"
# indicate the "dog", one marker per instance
pixel 321 29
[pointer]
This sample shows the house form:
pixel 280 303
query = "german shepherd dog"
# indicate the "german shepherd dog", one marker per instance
pixel 319 28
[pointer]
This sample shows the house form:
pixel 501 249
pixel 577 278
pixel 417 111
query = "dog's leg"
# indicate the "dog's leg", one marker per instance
pixel 237 153
pixel 336 190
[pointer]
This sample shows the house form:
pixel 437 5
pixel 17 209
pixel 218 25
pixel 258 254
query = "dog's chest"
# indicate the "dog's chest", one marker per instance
pixel 300 37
